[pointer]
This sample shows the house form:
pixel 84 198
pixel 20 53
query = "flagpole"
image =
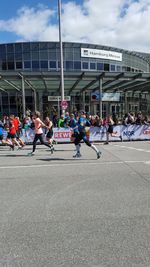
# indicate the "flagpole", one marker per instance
pixel 61 53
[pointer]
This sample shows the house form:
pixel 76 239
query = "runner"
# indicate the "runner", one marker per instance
pixel 17 124
pixel 80 134
pixel 11 136
pixel 109 123
pixel 49 134
pixel 38 132
pixel 3 141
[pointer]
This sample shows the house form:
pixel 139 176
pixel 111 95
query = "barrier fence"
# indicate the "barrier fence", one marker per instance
pixel 62 135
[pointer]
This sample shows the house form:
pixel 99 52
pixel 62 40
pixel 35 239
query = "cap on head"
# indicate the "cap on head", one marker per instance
pixel 82 112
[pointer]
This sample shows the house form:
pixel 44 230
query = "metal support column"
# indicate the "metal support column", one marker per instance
pixel 8 95
pixel 35 100
pixel 23 98
pixel 83 100
pixel 126 102
pixel 100 96
pixel 40 103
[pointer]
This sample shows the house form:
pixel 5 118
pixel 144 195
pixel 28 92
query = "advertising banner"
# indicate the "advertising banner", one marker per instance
pixel 104 54
pixel 98 134
pixel 112 97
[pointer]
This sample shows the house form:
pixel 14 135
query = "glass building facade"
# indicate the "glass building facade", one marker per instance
pixel 45 56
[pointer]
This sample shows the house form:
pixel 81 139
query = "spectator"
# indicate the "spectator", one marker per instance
pixel 61 121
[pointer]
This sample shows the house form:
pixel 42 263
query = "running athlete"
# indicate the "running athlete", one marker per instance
pixel 49 134
pixel 110 125
pixel 80 134
pixel 12 133
pixel 3 141
pixel 38 124
pixel 73 123
pixel 17 124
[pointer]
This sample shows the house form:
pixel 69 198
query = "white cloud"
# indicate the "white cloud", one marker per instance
pixel 118 23
pixel 32 24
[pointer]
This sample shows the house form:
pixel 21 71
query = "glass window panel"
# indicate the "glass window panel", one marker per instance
pixel 19 65
pixel 3 57
pixel 27 64
pixel 68 55
pixel 85 65
pixel 124 68
pixel 51 45
pixel 43 54
pixel 5 100
pixel 44 64
pixel 26 56
pixel 69 65
pixel 18 56
pixel 35 47
pixel 77 56
pixel 18 48
pixel 100 66
pixel 58 62
pixel 2 49
pixel 10 56
pixel 35 55
pixel 77 65
pixel 106 67
pixel 26 47
pixel 35 64
pixel 92 66
pixel 112 67
pixel 118 68
pixel 52 64
pixel 12 99
pixel 52 54
pixel 10 65
pixel 10 48
pixel 43 46
pixel 4 66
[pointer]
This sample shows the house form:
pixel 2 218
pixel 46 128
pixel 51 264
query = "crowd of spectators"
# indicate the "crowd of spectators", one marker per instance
pixel 95 120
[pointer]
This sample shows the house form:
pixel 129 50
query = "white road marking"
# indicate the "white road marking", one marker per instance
pixel 74 164
pixel 133 148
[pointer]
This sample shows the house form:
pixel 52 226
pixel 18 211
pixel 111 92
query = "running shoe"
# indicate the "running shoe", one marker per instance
pixel 77 155
pixel 54 142
pixel 106 143
pixel 12 147
pixel 31 154
pixel 121 138
pixel 99 153
pixel 52 149
pixel 19 147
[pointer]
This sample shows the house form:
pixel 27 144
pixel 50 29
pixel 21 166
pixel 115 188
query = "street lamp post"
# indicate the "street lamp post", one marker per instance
pixel 61 54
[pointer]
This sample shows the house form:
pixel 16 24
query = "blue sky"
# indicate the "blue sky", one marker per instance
pixel 8 8
pixel 119 23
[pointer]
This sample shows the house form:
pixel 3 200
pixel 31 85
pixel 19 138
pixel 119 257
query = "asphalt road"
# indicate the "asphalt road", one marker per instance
pixel 59 211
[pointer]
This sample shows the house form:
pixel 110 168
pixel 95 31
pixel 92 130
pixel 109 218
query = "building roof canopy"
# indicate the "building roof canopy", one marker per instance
pixel 75 82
